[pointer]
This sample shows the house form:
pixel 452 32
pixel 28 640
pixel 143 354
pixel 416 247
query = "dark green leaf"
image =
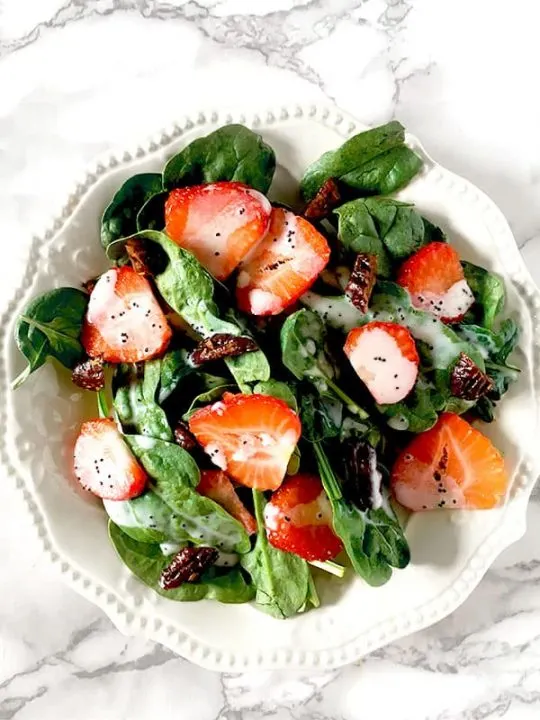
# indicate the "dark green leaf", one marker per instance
pixel 137 406
pixel 175 366
pixel 211 395
pixel 281 579
pixel 147 562
pixel 175 476
pixel 50 327
pixel 375 162
pixel 120 217
pixel 489 293
pixel 232 152
pixel 147 519
pixel 277 389
pixel 384 227
pixel 151 216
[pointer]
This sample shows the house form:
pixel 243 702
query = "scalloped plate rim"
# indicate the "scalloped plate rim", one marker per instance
pixel 128 620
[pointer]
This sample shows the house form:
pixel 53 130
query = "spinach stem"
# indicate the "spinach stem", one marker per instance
pixel 103 405
pixel 328 478
pixel 258 504
pixel 329 566
pixel 353 407
pixel 313 596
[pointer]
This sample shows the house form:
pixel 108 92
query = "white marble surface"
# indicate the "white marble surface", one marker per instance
pixel 78 77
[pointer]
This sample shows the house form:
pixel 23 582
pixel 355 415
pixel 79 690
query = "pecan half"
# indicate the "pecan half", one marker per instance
pixel 139 257
pixel 327 198
pixel 468 381
pixel 89 285
pixel 187 566
pixel 361 478
pixel 362 280
pixel 221 345
pixel 183 436
pixel 89 374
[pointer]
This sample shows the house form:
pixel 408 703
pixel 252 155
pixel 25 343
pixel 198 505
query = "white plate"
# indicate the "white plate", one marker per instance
pixel 450 551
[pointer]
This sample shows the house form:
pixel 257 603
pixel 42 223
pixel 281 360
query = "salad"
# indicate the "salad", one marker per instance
pixel 273 383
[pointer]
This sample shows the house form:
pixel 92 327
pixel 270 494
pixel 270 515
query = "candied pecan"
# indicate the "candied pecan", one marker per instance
pixel 187 566
pixel 89 374
pixel 361 478
pixel 139 257
pixel 221 345
pixel 327 198
pixel 468 381
pixel 362 280
pixel 89 285
pixel 183 436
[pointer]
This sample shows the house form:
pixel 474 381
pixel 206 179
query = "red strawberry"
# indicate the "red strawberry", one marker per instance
pixel 384 356
pixel 283 266
pixel 436 282
pixel 450 466
pixel 219 223
pixel 217 486
pixel 104 464
pixel 252 437
pixel 298 519
pixel 124 322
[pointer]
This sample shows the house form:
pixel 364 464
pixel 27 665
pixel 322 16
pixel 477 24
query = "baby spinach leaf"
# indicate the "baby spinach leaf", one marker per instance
pixel 372 538
pixel 213 393
pixel 489 293
pixel 147 562
pixel 419 410
pixel 137 407
pixel 277 389
pixel 189 289
pixel 384 227
pixel 175 476
pixel 147 519
pixel 281 579
pixel 175 366
pixel 151 216
pixel 50 327
pixel 303 352
pixel 375 162
pixel 232 152
pixel 120 217
pixel 321 417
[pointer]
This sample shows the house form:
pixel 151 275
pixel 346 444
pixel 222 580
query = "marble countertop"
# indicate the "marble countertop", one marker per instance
pixel 79 77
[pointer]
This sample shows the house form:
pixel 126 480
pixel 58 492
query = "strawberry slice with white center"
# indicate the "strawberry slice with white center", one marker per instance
pixel 252 437
pixel 283 266
pixel 124 322
pixel 436 282
pixel 384 356
pixel 298 519
pixel 104 464
pixel 219 223
pixel 215 485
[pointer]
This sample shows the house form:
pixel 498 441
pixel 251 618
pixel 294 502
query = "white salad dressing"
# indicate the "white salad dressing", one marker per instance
pixel 170 548
pixel 338 312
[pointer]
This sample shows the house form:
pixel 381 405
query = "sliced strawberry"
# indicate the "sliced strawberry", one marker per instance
pixel 252 437
pixel 217 486
pixel 283 266
pixel 298 519
pixel 219 223
pixel 124 322
pixel 384 356
pixel 104 463
pixel 436 282
pixel 450 466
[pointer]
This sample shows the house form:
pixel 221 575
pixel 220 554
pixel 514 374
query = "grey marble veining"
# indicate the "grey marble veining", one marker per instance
pixel 78 78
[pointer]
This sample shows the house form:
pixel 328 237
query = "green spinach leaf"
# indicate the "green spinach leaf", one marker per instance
pixel 175 366
pixel 373 538
pixel 147 519
pixel 137 407
pixel 281 579
pixel 277 389
pixel 151 216
pixel 489 293
pixel 120 217
pixel 147 562
pixel 384 227
pixel 175 475
pixel 50 327
pixel 304 353
pixel 232 152
pixel 376 162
